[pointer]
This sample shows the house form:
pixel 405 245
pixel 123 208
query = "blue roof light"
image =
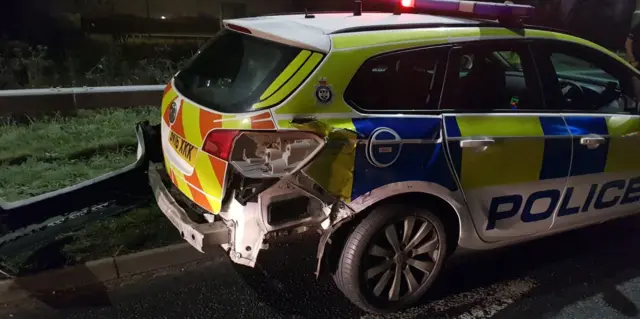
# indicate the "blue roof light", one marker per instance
pixel 485 9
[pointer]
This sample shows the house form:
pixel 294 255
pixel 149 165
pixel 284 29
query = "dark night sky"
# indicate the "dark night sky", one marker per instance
pixel 28 19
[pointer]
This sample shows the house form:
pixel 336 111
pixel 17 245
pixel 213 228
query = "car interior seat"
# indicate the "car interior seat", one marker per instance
pixel 485 85
pixel 413 82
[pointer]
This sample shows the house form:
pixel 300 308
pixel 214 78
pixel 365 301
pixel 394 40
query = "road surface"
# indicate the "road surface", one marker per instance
pixel 590 273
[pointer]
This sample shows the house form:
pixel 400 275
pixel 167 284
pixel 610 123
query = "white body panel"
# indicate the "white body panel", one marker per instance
pixel 582 201
pixel 582 205
pixel 313 33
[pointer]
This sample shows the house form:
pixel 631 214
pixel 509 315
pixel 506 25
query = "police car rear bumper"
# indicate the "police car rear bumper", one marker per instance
pixel 202 236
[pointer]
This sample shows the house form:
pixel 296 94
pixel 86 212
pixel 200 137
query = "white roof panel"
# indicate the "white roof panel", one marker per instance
pixel 313 33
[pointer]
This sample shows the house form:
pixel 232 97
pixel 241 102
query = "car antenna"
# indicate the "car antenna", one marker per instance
pixel 357 8
pixel 308 15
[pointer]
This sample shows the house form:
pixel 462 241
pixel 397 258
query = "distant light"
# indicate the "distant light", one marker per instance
pixel 163 17
pixel 407 3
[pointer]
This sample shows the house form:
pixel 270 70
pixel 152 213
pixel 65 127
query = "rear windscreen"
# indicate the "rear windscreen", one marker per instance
pixel 231 71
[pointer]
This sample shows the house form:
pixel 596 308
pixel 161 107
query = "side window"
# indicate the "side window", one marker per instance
pixel 492 76
pixel 402 81
pixel 581 79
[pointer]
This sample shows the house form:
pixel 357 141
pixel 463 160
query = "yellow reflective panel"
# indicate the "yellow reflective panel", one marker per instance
pixel 516 156
pixel 415 37
pixel 293 83
pixel 191 123
pixel 337 69
pixel 624 153
pixel 488 125
pixel 236 122
pixel 181 183
pixel 208 176
pixel 288 72
pixel 508 161
pixel 333 167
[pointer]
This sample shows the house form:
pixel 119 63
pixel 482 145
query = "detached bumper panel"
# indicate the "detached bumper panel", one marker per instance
pixel 201 236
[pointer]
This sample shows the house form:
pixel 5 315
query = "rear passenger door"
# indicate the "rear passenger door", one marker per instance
pixel 511 157
pixel 597 97
pixel 399 144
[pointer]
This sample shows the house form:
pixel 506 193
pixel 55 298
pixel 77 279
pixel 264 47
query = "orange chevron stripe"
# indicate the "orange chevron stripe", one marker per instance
pixel 167 88
pixel 193 180
pixel 173 177
pixel 207 122
pixel 220 168
pixel 178 126
pixel 200 198
pixel 258 122
pixel 262 116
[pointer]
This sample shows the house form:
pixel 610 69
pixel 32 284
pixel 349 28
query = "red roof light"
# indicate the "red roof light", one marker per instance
pixel 408 3
pixel 485 9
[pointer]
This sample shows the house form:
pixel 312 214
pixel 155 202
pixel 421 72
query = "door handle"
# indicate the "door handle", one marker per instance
pixel 477 143
pixel 592 142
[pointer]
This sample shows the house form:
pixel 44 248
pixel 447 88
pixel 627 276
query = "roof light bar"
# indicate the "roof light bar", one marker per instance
pixel 487 9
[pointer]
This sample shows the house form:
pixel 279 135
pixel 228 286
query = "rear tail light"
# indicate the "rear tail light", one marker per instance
pixel 273 154
pixel 219 143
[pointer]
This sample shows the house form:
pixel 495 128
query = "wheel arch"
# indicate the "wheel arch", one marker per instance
pixel 439 199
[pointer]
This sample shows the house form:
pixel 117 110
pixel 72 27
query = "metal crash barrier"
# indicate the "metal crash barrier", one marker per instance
pixel 35 102
pixel 34 219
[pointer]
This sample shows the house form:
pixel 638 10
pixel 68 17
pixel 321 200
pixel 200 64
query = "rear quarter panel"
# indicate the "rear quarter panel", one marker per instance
pixel 204 181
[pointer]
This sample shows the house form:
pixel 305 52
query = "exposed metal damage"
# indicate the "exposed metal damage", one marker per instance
pixel 306 200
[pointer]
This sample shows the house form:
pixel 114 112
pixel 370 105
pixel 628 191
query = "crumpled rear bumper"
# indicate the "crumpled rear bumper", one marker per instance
pixel 202 236
pixel 244 226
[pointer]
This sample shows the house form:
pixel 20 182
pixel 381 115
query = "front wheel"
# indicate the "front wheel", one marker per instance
pixel 391 258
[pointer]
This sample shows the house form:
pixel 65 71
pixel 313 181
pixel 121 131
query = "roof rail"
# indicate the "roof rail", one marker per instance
pixel 478 23
pixel 416 26
pixel 302 13
pixel 551 29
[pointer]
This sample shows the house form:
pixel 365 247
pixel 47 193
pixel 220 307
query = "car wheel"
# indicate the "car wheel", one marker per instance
pixel 391 258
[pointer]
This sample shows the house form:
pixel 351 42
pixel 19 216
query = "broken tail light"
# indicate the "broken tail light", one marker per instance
pixel 219 143
pixel 273 154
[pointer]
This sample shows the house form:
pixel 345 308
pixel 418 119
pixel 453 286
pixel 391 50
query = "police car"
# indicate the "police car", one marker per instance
pixel 404 137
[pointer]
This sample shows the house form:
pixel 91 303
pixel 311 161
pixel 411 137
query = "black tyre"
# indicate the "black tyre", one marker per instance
pixel 391 258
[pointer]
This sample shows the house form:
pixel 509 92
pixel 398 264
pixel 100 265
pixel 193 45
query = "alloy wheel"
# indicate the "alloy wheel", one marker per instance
pixel 401 259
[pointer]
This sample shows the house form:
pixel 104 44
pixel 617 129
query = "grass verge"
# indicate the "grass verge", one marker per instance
pixel 56 152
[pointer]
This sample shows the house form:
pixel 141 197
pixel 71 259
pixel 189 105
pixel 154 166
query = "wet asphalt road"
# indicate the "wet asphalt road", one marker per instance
pixel 590 273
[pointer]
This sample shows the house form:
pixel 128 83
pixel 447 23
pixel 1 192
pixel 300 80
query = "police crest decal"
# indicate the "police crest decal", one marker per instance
pixel 173 112
pixel 323 93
